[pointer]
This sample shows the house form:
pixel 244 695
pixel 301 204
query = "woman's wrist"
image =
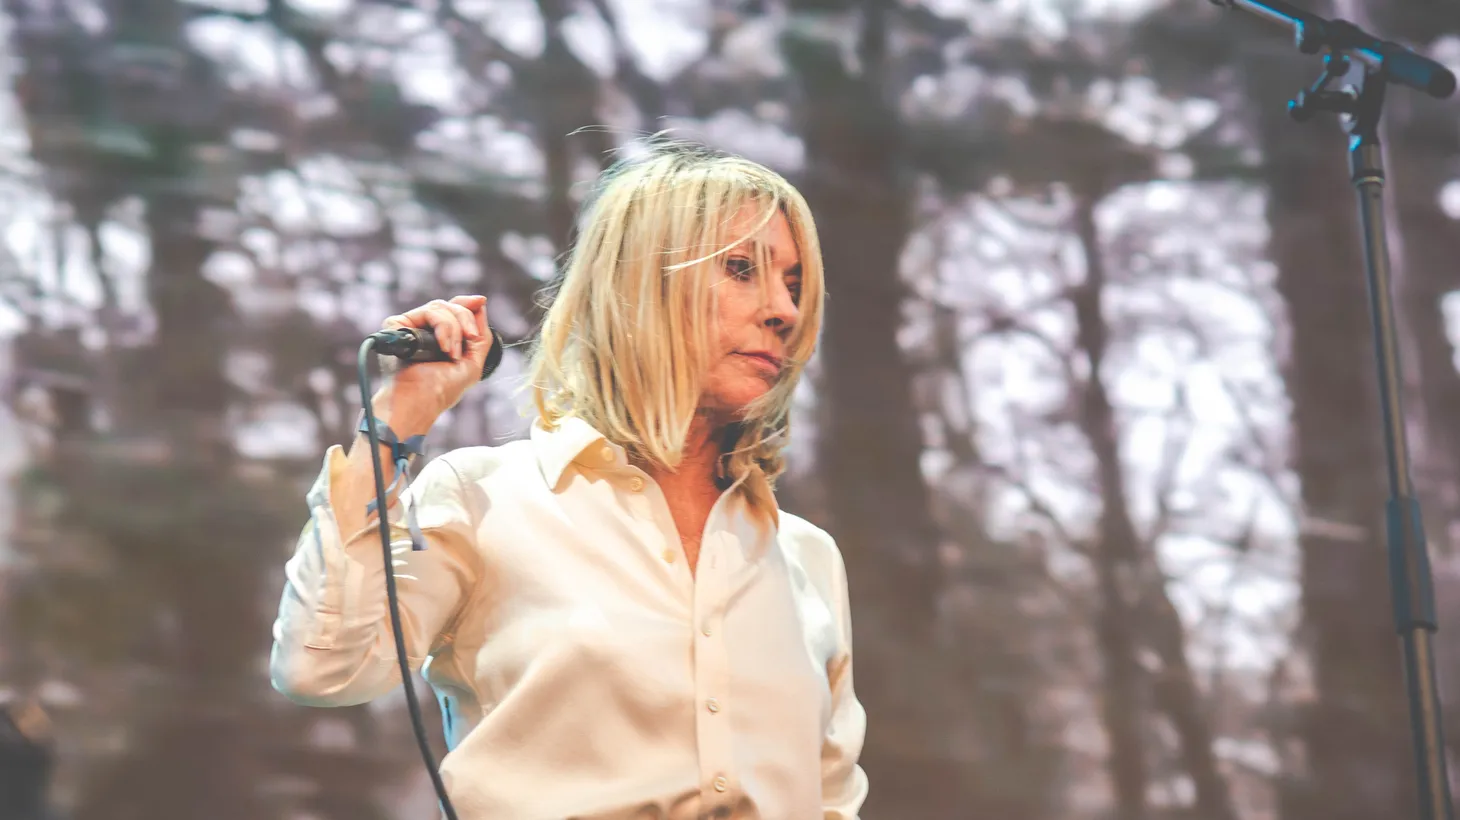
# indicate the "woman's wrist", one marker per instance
pixel 403 418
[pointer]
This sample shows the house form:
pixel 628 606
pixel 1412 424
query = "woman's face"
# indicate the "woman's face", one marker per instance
pixel 757 310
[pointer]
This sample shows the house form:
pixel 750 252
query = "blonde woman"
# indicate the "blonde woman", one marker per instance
pixel 616 618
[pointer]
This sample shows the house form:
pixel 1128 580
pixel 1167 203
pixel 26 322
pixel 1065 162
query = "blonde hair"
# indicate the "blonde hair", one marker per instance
pixel 631 329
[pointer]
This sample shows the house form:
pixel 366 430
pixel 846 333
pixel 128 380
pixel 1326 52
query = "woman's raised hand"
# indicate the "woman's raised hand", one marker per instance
pixel 420 392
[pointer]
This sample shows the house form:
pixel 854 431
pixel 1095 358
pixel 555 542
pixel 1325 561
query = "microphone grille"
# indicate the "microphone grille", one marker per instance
pixel 494 356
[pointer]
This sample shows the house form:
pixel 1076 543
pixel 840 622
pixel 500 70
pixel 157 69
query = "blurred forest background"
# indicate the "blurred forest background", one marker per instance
pixel 1094 419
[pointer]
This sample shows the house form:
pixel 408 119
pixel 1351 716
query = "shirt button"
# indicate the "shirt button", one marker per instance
pixel 606 453
pixel 721 784
pixel 669 556
pixel 636 484
pixel 706 632
pixel 713 705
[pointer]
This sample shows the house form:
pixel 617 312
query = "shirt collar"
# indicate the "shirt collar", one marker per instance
pixel 571 440
pixel 575 440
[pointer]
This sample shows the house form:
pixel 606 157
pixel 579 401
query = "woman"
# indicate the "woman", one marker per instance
pixel 616 618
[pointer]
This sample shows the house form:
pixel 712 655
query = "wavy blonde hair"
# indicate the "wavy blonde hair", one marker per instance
pixel 631 329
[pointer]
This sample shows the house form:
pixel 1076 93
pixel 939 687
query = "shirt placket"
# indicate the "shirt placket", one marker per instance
pixel 712 678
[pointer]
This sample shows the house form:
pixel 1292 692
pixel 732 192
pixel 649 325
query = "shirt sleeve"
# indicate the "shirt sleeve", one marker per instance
pixel 333 643
pixel 843 781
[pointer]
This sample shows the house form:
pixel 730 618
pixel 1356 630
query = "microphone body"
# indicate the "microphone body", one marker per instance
pixel 419 344
pixel 1314 34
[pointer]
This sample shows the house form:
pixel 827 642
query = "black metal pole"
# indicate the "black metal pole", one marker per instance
pixel 1358 70
pixel 1409 564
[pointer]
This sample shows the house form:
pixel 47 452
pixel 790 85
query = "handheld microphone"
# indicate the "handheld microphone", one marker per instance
pixel 419 344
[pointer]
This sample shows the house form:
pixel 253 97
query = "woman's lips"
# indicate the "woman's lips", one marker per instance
pixel 765 360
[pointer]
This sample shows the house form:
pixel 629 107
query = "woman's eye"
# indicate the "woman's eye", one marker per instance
pixel 739 267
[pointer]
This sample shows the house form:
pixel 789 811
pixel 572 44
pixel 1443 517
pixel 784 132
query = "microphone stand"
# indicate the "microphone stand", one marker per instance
pixel 1358 68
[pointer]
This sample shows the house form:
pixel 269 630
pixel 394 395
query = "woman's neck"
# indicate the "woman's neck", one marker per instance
pixel 698 468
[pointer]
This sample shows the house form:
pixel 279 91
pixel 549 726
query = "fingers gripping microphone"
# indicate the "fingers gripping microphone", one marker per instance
pixel 419 344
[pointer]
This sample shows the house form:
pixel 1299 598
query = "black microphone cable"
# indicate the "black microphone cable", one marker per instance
pixel 413 345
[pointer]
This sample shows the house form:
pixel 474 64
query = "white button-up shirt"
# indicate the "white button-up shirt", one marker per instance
pixel 582 670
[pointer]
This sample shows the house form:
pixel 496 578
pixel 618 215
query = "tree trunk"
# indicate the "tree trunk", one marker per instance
pixel 869 444
pixel 1151 619
pixel 1355 732
pixel 565 96
pixel 190 537
pixel 1117 544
